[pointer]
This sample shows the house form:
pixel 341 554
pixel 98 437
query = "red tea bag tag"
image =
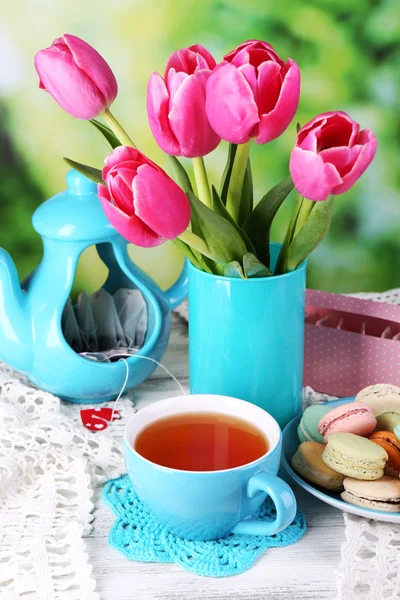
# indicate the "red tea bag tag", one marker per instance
pixel 97 419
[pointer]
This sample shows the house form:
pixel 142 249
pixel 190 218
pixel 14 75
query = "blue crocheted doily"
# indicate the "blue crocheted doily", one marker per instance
pixel 139 536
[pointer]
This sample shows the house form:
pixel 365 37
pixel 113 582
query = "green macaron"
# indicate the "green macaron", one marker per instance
pixel 355 456
pixel 308 426
pixel 388 419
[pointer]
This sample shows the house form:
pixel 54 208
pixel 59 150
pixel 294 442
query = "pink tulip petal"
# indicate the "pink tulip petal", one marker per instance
pixel 121 194
pixel 340 157
pixel 269 85
pixel 250 74
pixel 188 119
pixel 312 178
pixel 308 140
pixel 121 154
pixel 68 84
pixel 103 192
pixel 94 65
pixel 157 112
pixel 189 60
pixel 275 122
pixel 160 203
pixel 127 171
pixel 249 45
pixel 242 57
pixel 174 81
pixel 369 144
pixel 230 104
pixel 323 117
pixel 335 132
pixel 131 227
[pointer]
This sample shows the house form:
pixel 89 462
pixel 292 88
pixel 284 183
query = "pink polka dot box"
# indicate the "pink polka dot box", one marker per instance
pixel 350 343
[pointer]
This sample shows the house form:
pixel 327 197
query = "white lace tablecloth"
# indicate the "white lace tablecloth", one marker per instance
pixel 49 465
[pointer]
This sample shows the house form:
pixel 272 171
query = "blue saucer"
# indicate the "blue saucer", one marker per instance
pixel 289 447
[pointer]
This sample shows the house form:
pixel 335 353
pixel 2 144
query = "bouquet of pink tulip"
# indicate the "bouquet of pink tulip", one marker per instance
pixel 251 95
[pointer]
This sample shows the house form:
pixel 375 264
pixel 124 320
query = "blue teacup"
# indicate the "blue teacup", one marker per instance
pixel 206 505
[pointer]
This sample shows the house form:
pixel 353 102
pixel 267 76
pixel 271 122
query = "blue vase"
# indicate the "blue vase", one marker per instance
pixel 246 338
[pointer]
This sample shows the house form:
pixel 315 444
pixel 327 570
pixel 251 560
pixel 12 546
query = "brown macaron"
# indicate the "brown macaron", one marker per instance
pixel 389 442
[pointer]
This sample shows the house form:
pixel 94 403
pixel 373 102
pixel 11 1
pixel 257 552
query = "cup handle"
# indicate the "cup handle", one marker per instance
pixel 179 290
pixel 283 498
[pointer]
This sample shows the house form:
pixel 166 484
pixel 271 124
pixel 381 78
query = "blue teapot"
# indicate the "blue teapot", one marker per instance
pixel 31 337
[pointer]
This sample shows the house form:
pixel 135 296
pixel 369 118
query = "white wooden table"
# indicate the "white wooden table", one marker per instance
pixel 306 570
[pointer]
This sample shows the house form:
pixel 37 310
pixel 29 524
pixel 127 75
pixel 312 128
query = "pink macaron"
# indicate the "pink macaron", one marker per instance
pixel 355 417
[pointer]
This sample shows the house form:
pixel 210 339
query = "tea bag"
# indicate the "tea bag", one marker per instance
pixel 117 353
pixel 132 312
pixel 86 323
pixel 95 356
pixel 108 327
pixel 70 327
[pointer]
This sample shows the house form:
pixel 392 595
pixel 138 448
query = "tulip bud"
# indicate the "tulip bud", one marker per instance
pixel 330 154
pixel 77 77
pixel 143 204
pixel 176 104
pixel 252 94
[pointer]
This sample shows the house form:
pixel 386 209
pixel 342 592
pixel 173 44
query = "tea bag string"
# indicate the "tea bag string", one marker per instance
pixel 127 376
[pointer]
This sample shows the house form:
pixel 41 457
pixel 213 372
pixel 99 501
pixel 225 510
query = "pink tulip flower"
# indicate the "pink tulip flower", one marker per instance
pixel 252 94
pixel 143 204
pixel 176 104
pixel 330 154
pixel 77 77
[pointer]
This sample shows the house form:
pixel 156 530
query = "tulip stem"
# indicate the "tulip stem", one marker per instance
pixel 236 181
pixel 304 212
pixel 282 259
pixel 200 175
pixel 196 242
pixel 117 129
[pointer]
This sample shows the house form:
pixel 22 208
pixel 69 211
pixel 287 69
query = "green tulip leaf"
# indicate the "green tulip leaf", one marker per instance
pixel 258 225
pixel 90 172
pixel 311 234
pixel 234 269
pixel 181 177
pixel 222 238
pixel 298 127
pixel 226 175
pixel 220 208
pixel 246 200
pixel 254 268
pixel 106 133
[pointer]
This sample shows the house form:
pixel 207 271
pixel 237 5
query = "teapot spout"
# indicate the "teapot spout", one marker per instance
pixel 14 328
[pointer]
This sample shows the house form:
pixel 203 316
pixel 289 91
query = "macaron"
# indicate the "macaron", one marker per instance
pixel 355 456
pixel 397 431
pixel 308 426
pixel 309 464
pixel 380 396
pixel 354 417
pixel 388 419
pixel 382 494
pixel 389 442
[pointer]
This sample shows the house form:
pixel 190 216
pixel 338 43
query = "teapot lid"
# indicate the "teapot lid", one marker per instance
pixel 75 214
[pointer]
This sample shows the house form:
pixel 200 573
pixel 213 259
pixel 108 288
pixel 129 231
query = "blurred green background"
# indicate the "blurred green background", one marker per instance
pixel 349 55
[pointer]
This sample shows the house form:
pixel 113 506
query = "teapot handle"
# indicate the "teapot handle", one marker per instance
pixel 179 290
